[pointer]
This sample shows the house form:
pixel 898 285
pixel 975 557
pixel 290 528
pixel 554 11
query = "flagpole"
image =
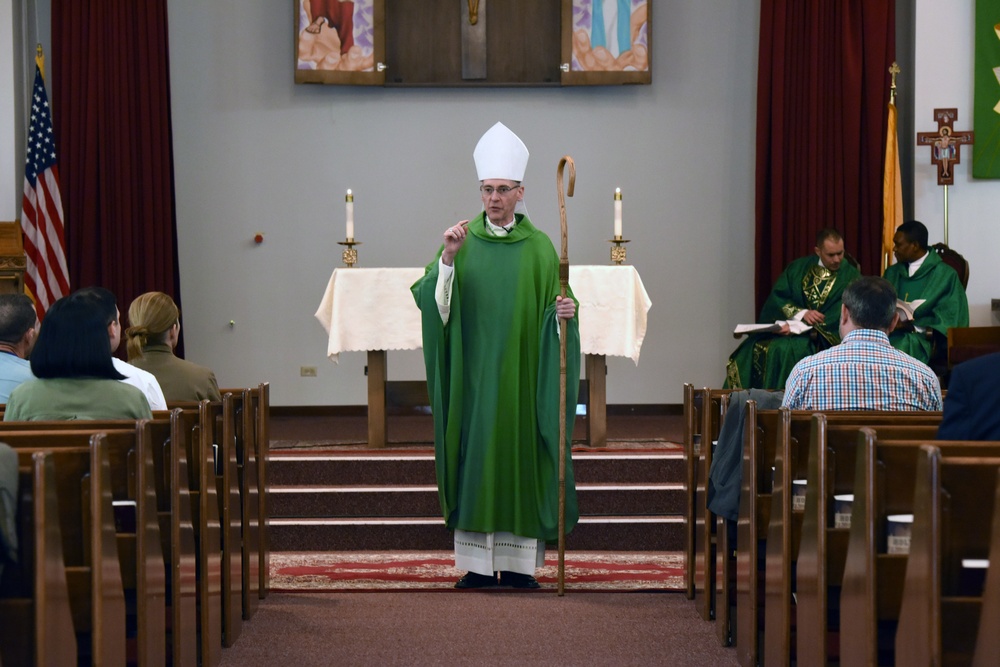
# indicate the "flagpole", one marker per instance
pixel 563 282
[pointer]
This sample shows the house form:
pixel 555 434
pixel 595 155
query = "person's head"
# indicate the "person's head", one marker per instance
pixel 107 305
pixel 18 324
pixel 868 303
pixel 154 318
pixel 830 248
pixel 909 243
pixel 73 342
pixel 501 158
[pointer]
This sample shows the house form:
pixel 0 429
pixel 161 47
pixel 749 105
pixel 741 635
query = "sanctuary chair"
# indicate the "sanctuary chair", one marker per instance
pixel 966 343
pixel 939 361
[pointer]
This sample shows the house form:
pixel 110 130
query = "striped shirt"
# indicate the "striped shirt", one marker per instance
pixel 863 372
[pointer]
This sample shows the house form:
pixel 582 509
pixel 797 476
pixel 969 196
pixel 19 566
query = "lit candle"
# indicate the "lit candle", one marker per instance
pixel 350 215
pixel 618 213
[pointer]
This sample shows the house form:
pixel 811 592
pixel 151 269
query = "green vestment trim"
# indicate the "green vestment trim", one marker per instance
pixel 493 381
pixel 946 304
pixel 763 361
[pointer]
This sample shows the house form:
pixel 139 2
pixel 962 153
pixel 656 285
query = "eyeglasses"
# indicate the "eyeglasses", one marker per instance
pixel 503 190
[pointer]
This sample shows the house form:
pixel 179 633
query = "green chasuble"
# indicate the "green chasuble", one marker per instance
pixel 945 305
pixel 493 382
pixel 763 361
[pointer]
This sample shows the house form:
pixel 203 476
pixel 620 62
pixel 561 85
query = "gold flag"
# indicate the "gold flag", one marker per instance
pixel 892 190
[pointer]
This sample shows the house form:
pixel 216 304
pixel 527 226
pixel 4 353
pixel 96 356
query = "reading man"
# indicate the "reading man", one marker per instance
pixel 808 291
pixel 921 276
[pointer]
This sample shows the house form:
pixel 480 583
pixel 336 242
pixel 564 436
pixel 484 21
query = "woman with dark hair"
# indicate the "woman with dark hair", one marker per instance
pixel 76 378
pixel 155 327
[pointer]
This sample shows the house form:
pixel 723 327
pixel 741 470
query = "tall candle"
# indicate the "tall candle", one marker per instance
pixel 350 215
pixel 618 213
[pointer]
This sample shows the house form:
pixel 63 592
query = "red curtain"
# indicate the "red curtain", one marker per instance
pixel 822 100
pixel 111 90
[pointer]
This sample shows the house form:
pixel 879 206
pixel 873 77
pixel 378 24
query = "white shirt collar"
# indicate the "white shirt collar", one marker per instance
pixel 915 264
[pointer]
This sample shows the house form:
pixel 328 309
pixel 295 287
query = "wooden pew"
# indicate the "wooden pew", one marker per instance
pixel 710 405
pixel 691 433
pixel 139 546
pixel 766 433
pixel 187 434
pixel 93 572
pixel 252 552
pixel 258 400
pixel 36 621
pixel 940 611
pixel 871 593
pixel 988 639
pixel 822 550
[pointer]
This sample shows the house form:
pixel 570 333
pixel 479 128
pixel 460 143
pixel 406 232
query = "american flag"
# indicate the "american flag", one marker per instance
pixel 47 277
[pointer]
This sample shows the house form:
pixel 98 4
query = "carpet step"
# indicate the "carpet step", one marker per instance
pixel 422 500
pixel 373 468
pixel 612 533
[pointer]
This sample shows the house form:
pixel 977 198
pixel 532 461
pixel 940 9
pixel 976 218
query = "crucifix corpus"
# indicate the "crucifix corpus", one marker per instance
pixel 946 151
pixel 473 39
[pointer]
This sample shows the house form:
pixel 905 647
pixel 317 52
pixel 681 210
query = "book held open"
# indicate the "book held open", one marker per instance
pixel 794 327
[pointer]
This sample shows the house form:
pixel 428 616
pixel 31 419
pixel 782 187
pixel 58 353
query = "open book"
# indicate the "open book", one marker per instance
pixel 905 309
pixel 794 326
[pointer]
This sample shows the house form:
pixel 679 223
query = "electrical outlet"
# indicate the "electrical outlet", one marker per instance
pixel 307 371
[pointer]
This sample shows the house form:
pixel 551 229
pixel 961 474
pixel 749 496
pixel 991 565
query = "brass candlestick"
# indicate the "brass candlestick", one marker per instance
pixel 350 255
pixel 618 249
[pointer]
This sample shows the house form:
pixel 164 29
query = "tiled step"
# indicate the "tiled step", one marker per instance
pixel 618 533
pixel 422 500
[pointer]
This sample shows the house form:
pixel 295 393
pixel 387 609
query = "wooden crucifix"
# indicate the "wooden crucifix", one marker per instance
pixel 946 144
pixel 946 151
pixel 473 39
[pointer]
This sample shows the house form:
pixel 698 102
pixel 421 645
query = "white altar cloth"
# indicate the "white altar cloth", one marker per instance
pixel 373 309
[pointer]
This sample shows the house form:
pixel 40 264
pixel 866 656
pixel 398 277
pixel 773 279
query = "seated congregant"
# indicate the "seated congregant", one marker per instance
pixel 922 276
pixel 807 291
pixel 18 330
pixel 972 406
pixel 107 304
pixel 75 377
pixel 154 328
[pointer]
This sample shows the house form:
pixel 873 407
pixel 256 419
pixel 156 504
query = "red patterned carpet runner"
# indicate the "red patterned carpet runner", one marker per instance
pixel 406 571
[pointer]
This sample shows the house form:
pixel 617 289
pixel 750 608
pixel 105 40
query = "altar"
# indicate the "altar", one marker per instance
pixel 373 311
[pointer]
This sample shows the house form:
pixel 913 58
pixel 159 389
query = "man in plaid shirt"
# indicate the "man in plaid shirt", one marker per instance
pixel 863 372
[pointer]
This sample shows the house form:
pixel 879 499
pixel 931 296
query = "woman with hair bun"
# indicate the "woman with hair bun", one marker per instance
pixel 154 327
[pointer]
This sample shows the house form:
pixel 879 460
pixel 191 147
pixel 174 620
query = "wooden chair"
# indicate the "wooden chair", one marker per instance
pixel 966 343
pixel 940 610
pixel 871 593
pixel 36 621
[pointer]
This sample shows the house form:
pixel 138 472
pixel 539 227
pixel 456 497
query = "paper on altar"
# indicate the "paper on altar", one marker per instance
pixel 794 327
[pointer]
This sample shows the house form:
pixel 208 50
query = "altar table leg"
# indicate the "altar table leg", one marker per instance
pixel 597 397
pixel 376 398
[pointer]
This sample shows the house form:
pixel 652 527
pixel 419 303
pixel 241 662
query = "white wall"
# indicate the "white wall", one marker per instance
pixel 256 153
pixel 944 79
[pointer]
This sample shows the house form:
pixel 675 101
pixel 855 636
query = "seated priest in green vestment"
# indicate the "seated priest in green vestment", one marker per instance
pixel 490 307
pixel 931 288
pixel 807 294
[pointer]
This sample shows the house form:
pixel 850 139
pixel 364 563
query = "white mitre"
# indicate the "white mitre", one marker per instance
pixel 500 154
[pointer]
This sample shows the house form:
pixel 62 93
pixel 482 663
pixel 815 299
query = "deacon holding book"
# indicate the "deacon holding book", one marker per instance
pixel 489 307
pixel 921 276
pixel 806 296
